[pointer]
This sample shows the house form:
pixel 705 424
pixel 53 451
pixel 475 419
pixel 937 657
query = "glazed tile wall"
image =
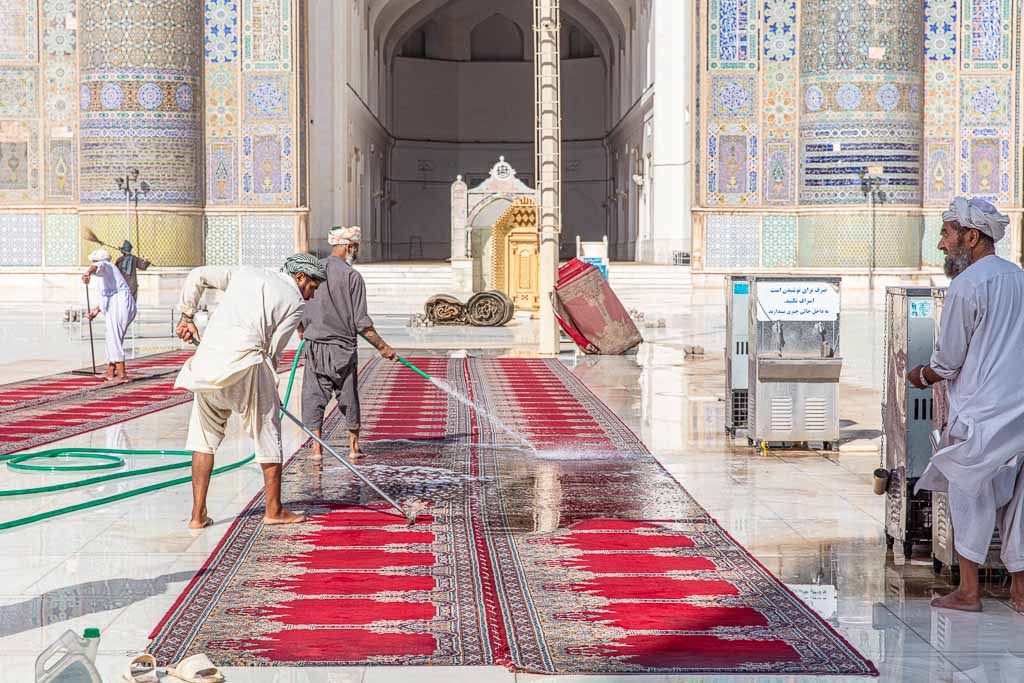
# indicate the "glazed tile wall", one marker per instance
pixel 840 85
pixel 61 239
pixel 732 241
pixel 222 240
pixel 139 99
pixel 267 240
pixel 21 240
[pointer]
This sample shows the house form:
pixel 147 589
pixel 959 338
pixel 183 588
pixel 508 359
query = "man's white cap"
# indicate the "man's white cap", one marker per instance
pixel 100 254
pixel 341 235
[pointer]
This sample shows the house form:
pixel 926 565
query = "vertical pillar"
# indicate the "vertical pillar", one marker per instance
pixel 140 109
pixel 548 151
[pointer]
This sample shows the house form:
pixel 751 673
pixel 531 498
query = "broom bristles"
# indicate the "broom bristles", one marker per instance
pixel 90 236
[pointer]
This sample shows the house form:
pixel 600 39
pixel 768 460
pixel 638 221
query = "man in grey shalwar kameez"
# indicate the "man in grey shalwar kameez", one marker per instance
pixel 330 325
pixel 980 354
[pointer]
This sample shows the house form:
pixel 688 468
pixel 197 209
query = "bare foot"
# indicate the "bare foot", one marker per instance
pixel 958 601
pixel 316 454
pixel 200 523
pixel 285 517
pixel 1017 600
pixel 355 455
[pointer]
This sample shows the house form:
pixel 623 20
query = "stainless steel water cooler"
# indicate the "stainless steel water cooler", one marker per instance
pixel 907 414
pixel 794 361
pixel 737 345
pixel 943 551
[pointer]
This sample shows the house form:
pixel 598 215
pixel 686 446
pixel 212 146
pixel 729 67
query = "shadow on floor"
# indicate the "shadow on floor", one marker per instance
pixel 81 600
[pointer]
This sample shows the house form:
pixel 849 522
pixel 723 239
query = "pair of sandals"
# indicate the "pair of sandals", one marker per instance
pixel 195 669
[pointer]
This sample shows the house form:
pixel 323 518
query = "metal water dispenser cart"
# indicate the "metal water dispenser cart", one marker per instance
pixel 943 550
pixel 737 346
pixel 907 415
pixel 794 361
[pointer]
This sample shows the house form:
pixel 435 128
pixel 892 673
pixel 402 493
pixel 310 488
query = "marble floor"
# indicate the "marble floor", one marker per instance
pixel 811 518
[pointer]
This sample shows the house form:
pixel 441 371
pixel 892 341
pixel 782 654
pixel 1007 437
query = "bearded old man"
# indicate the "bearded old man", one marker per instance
pixel 234 370
pixel 331 325
pixel 118 307
pixel 980 354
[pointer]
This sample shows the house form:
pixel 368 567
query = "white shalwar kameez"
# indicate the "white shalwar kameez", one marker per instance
pixel 117 306
pixel 980 354
pixel 234 370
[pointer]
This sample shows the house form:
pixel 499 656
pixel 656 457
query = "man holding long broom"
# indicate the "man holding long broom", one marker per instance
pixel 118 308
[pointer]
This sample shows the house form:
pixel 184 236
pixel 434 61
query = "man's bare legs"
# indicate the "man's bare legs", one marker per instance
pixel 119 370
pixel 275 512
pixel 111 372
pixel 354 452
pixel 967 596
pixel 1017 591
pixel 202 468
pixel 353 445
pixel 317 451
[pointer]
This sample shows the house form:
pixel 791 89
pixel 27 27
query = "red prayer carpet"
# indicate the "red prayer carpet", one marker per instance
pixel 586 556
pixel 41 411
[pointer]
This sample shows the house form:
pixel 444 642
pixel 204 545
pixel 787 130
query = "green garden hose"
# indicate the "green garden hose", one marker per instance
pixel 109 459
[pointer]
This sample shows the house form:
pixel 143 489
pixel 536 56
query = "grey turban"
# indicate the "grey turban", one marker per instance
pixel 306 264
pixel 978 214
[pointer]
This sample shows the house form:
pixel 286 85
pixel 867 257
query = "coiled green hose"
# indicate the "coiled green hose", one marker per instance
pixel 109 458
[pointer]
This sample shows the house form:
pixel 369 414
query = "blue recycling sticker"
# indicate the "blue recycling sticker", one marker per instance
pixel 741 288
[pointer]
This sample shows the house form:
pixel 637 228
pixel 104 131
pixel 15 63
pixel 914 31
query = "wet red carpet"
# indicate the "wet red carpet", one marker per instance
pixel 585 557
pixel 41 411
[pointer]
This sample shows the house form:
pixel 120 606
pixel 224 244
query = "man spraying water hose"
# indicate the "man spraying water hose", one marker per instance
pixel 331 325
pixel 234 369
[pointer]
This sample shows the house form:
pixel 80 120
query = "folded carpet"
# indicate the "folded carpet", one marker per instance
pixel 584 556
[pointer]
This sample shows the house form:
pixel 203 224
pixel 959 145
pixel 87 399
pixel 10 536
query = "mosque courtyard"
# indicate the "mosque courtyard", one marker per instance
pixel 810 518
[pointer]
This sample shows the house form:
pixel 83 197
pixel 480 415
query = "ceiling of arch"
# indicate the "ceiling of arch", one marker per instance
pixel 392 20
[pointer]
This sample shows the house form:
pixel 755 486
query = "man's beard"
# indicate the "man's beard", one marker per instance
pixel 957 260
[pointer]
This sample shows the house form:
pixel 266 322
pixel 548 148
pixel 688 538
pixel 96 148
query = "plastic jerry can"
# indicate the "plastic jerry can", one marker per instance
pixel 70 659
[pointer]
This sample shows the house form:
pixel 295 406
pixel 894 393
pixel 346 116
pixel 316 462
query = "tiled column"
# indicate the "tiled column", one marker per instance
pixel 140 108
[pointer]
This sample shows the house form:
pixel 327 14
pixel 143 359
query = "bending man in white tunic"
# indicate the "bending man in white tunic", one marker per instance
pixel 118 307
pixel 234 370
pixel 980 353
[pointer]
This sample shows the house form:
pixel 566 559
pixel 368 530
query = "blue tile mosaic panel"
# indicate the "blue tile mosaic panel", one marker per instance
pixel 732 241
pixel 778 242
pixel 267 240
pixel 21 239
pixel 732 34
pixel 222 245
pixel 62 239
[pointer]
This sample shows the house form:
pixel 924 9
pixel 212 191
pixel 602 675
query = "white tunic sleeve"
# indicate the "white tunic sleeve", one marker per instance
pixel 959 320
pixel 198 281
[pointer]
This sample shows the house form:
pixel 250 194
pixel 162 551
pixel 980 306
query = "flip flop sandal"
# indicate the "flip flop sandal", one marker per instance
pixel 142 670
pixel 196 669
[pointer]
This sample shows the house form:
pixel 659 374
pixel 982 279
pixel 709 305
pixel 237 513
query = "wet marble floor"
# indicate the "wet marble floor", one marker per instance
pixel 809 517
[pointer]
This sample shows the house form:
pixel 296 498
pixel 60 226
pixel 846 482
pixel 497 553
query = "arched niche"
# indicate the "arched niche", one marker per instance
pixel 496 39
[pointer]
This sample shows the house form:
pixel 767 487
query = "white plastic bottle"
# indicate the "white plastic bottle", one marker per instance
pixel 70 659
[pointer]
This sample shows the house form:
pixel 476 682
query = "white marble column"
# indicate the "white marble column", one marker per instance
pixel 548 122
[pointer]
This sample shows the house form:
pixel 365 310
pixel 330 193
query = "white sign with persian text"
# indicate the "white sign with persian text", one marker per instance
pixel 795 300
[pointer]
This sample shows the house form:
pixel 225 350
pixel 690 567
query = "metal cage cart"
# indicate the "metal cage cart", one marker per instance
pixel 907 415
pixel 943 550
pixel 737 345
pixel 794 361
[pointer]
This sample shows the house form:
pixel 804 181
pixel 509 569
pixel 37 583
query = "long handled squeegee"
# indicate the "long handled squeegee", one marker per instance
pixel 410 516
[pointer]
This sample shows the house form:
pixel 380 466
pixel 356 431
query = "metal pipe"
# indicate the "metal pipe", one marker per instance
pixel 410 517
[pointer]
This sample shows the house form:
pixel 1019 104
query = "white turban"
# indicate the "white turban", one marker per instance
pixel 978 214
pixel 99 255
pixel 341 235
